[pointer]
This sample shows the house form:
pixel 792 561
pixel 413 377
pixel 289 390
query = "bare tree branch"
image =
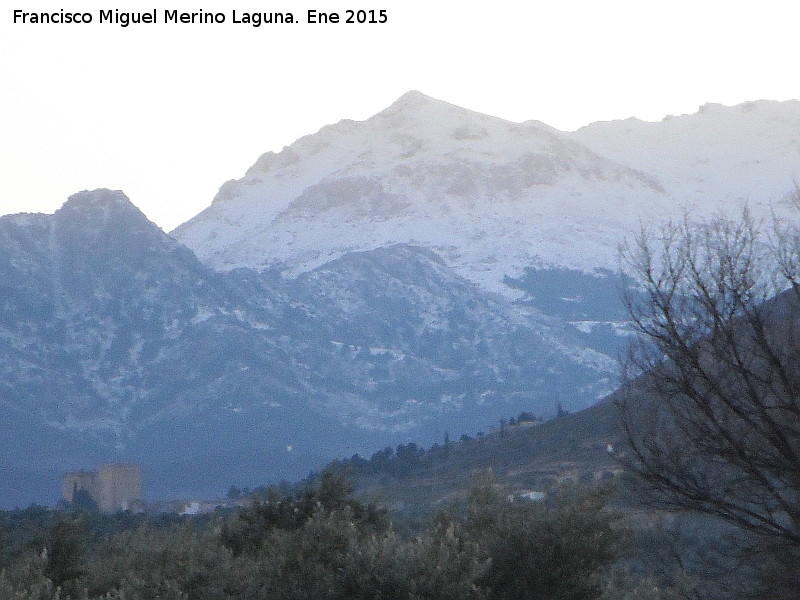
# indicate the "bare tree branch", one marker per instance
pixel 712 413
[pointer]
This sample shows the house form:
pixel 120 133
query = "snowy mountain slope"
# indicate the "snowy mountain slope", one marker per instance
pixel 370 315
pixel 116 343
pixel 490 196
pixel 716 159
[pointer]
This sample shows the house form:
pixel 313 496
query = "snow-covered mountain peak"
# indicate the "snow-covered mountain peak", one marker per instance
pixel 100 198
pixel 414 128
pixel 388 232
pixel 720 155
pixel 414 112
pixel 412 100
pixel 102 206
pixel 107 216
pixel 91 203
pixel 414 103
pixel 491 196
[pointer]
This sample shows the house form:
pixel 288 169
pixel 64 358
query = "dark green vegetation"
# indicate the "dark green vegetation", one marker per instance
pixel 433 523
pixel 522 454
pixel 319 542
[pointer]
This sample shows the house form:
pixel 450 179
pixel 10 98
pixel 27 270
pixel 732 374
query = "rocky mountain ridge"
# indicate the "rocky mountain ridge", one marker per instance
pixel 118 344
pixel 427 270
pixel 493 197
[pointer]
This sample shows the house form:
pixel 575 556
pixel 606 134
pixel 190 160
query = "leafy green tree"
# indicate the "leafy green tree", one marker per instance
pixel 332 491
pixel 557 549
pixel 65 561
pixel 24 579
pixel 332 556
pixel 319 543
pixel 439 564
pixel 2 546
pixel 170 564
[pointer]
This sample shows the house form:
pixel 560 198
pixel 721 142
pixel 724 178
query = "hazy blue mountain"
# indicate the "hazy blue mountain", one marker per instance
pixel 117 343
pixel 427 270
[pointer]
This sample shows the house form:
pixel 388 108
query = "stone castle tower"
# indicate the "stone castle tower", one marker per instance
pixel 113 487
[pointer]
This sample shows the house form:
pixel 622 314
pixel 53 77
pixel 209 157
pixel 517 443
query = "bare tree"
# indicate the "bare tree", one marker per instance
pixel 712 416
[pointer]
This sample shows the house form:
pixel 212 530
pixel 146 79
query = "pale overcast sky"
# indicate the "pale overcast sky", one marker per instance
pixel 169 112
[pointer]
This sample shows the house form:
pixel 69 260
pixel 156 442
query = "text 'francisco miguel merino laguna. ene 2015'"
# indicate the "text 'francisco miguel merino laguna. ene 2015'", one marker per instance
pixel 168 16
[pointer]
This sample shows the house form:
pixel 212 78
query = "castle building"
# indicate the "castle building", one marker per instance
pixel 113 487
pixel 78 481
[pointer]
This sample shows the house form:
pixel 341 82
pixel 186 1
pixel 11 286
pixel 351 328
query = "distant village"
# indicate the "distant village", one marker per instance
pixel 115 487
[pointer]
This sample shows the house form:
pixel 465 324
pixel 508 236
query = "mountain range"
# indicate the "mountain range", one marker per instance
pixel 428 270
pixel 493 197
